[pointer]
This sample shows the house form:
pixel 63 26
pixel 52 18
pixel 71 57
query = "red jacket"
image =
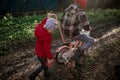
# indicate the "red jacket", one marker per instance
pixel 43 41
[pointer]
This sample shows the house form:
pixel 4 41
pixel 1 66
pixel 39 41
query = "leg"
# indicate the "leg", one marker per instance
pixel 87 41
pixel 46 71
pixel 39 69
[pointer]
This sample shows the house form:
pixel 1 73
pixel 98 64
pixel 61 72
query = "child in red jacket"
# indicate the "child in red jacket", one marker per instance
pixel 43 36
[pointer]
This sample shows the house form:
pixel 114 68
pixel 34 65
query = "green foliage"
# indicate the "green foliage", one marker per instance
pixel 19 31
pixel 14 31
pixel 100 15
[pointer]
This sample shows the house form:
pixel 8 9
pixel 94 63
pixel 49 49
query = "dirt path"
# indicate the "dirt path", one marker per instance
pixel 19 65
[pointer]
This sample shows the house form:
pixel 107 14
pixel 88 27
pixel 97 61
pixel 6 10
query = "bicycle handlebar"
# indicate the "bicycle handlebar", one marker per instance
pixel 60 30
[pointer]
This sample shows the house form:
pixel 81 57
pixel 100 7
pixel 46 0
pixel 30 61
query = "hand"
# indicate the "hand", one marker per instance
pixel 53 14
pixel 50 63
pixel 50 15
pixel 90 28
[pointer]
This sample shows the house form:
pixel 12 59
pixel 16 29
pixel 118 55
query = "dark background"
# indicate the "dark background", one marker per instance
pixel 23 6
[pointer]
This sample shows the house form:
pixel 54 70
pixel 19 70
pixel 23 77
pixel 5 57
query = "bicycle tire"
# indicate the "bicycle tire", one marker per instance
pixel 59 54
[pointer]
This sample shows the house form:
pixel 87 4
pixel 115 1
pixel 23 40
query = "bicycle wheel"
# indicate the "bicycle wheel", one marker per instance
pixel 59 57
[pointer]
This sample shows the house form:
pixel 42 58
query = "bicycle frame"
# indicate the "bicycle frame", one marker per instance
pixel 71 47
pixel 63 39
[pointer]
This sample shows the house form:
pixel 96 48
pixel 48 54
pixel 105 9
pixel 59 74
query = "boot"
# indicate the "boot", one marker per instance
pixel 78 64
pixel 47 73
pixel 32 77
pixel 36 72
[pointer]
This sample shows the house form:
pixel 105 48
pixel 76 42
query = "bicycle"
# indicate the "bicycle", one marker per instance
pixel 67 50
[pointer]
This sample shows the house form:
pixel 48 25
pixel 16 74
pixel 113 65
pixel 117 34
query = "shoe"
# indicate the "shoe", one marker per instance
pixel 80 51
pixel 31 77
pixel 47 73
pixel 77 61
pixel 78 64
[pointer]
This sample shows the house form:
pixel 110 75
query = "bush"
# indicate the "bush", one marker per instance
pixel 100 15
pixel 16 31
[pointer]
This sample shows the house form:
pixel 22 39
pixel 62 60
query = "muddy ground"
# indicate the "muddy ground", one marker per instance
pixel 98 66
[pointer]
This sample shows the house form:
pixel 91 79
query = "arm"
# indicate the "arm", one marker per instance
pixel 84 23
pixel 47 50
pixel 46 46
